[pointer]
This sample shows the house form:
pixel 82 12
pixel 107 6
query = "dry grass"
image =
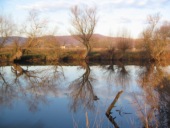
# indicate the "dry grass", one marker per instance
pixel 51 54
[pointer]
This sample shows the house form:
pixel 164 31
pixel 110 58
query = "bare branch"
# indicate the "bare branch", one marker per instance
pixel 6 30
pixel 84 22
pixel 155 38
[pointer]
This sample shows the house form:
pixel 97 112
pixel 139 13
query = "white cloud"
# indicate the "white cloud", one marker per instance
pixel 125 20
pixel 113 14
pixel 142 2
pixel 44 5
pixel 130 2
pixel 117 1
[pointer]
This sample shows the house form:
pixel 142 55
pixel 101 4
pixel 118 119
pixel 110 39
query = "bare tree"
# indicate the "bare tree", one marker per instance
pixel 155 37
pixel 84 22
pixel 6 30
pixel 34 28
pixel 111 48
pixel 164 30
pixel 124 41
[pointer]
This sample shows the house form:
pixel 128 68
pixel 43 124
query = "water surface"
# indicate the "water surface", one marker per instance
pixel 65 96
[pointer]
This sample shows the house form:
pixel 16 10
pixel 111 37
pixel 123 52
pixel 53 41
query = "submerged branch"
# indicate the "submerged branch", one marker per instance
pixel 108 112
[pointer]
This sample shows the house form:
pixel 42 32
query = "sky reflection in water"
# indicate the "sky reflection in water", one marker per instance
pixel 79 96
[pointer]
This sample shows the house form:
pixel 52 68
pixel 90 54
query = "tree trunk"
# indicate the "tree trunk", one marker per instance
pixel 17 55
pixel 18 69
pixel 88 50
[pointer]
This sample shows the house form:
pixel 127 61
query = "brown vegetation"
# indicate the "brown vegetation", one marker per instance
pixel 35 30
pixel 155 38
pixel 124 44
pixel 40 44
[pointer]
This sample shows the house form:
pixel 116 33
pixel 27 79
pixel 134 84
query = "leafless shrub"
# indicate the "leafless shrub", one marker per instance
pixel 124 41
pixel 111 48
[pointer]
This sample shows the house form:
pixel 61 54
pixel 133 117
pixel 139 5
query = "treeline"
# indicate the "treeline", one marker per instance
pixel 41 44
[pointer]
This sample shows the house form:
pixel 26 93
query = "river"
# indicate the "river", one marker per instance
pixel 85 95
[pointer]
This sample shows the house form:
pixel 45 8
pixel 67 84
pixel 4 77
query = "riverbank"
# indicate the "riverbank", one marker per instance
pixel 48 55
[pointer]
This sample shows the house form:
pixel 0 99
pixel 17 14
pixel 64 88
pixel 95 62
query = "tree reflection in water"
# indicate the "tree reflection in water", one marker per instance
pixel 152 105
pixel 82 92
pixel 151 78
pixel 117 74
pixel 150 99
pixel 123 76
pixel 38 82
pixel 164 111
pixel 8 92
pixel 109 71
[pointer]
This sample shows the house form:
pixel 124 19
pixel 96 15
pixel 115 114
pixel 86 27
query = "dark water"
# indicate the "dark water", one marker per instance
pixel 95 96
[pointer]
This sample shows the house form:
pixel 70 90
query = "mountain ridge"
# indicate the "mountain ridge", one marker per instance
pixel 66 39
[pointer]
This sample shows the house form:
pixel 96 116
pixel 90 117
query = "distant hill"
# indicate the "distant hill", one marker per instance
pixel 14 38
pixel 97 40
pixel 70 40
pixel 67 40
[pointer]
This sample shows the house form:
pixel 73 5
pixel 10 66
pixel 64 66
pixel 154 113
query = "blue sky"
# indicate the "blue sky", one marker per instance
pixel 114 15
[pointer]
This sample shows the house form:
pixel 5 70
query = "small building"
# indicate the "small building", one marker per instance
pixel 63 47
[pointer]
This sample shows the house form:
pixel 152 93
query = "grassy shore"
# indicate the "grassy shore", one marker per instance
pixel 35 55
